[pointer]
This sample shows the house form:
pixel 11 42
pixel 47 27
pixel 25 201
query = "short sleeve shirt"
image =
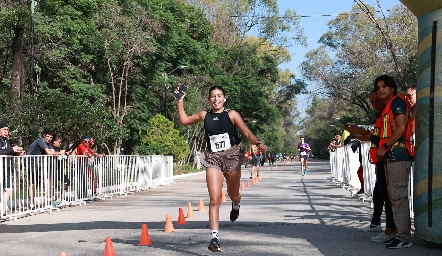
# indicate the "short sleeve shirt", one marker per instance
pixel 399 150
pixel 38 147
pixel 82 149
pixel 302 150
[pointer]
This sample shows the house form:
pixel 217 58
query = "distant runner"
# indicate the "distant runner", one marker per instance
pixel 303 149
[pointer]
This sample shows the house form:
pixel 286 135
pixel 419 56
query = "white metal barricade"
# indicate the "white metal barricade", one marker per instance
pixel 344 164
pixel 35 184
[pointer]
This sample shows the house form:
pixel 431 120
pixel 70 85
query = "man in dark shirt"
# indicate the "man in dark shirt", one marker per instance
pixel 60 179
pixel 40 146
pixel 7 150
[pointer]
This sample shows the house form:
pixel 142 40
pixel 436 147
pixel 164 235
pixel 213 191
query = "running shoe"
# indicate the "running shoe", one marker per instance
pixel 372 228
pixel 360 192
pixel 382 237
pixel 214 245
pixel 56 203
pixel 234 214
pixel 387 242
pixel 397 244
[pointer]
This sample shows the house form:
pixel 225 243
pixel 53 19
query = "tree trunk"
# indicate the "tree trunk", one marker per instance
pixel 18 74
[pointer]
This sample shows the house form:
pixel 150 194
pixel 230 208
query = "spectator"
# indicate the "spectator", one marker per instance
pixel 7 150
pixel 247 156
pixel 58 166
pixel 411 97
pixel 335 142
pixel 84 149
pixel 398 155
pixel 91 171
pixel 262 158
pixel 380 192
pixel 40 146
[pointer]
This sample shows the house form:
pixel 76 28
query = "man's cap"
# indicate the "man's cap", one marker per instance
pixel 3 125
pixel 85 137
pixel 338 133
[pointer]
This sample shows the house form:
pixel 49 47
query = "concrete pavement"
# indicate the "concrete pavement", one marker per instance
pixel 283 214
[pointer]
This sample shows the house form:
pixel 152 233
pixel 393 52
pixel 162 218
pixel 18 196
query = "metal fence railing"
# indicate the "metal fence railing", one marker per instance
pixel 32 184
pixel 344 165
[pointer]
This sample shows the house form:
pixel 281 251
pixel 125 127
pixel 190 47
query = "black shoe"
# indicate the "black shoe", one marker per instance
pixel 214 245
pixel 234 214
pixel 397 244
pixel 387 242
pixel 360 192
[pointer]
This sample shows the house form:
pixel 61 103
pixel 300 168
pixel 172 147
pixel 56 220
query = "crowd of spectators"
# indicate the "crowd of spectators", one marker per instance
pixel 47 174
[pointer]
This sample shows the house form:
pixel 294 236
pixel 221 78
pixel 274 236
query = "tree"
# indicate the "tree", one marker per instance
pixel 125 36
pixel 161 138
pixel 16 16
pixel 360 56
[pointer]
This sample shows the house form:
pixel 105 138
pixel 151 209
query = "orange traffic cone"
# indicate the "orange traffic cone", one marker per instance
pixel 169 224
pixel 259 178
pixel 181 219
pixel 145 238
pixel 201 205
pixel 109 248
pixel 253 181
pixel 242 186
pixel 62 254
pixel 223 198
pixel 190 211
pixel 271 169
pixel 248 184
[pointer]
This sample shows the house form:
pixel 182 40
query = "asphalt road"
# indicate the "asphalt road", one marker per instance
pixel 283 214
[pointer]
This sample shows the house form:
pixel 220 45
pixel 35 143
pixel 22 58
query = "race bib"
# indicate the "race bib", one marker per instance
pixel 219 142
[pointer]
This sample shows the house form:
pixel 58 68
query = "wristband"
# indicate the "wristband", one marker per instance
pixel 259 143
pixel 385 145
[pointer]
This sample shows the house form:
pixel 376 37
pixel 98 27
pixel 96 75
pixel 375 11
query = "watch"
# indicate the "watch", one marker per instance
pixel 385 145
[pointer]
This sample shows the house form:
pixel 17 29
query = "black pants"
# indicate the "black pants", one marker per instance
pixel 380 198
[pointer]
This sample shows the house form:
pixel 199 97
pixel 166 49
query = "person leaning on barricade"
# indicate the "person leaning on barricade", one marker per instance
pixel 91 170
pixel 335 142
pixel 57 168
pixel 40 147
pixel 380 192
pixel 7 150
pixel 85 171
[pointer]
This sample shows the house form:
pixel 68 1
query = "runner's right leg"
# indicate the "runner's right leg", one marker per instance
pixel 302 166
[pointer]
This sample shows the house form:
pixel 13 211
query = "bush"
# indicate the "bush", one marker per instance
pixel 179 169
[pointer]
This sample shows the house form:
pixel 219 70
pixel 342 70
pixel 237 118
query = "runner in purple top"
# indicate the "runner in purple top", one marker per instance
pixel 303 149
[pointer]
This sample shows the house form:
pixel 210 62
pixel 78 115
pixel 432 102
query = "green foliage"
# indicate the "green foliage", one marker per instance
pixel 183 169
pixel 99 69
pixel 14 15
pixel 353 54
pixel 160 135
